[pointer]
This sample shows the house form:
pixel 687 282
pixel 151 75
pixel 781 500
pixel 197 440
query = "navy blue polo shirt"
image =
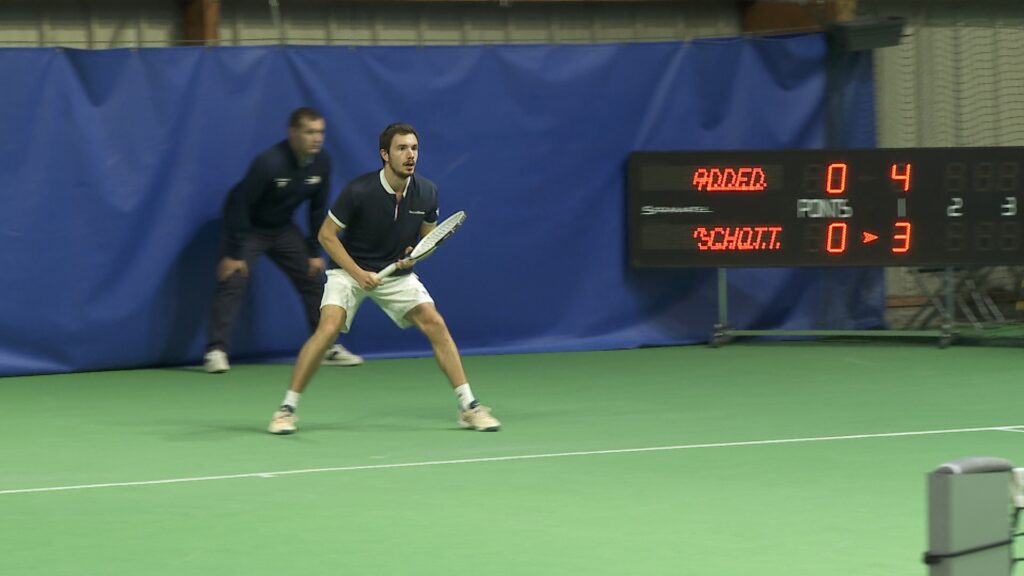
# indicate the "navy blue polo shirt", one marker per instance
pixel 376 231
pixel 266 198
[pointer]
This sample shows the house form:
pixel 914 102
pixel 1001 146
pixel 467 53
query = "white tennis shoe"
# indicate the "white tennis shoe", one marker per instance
pixel 479 418
pixel 283 421
pixel 337 355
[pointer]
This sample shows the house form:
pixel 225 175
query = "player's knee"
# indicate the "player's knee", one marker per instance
pixel 331 326
pixel 234 282
pixel 331 321
pixel 431 323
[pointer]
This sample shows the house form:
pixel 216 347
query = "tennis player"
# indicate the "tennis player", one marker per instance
pixel 379 217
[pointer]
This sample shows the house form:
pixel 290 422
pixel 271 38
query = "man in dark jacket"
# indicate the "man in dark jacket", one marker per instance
pixel 258 220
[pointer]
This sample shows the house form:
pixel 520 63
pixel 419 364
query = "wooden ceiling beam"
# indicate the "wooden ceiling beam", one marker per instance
pixel 764 16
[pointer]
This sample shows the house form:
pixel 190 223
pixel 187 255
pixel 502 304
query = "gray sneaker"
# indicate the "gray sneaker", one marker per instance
pixel 216 362
pixel 337 355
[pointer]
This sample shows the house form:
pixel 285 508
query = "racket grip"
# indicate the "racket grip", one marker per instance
pixel 387 271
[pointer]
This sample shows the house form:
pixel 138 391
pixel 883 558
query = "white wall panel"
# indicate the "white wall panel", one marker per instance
pixel 88 24
pixel 119 23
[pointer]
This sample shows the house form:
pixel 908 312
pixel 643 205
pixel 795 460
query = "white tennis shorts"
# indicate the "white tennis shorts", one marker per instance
pixel 396 296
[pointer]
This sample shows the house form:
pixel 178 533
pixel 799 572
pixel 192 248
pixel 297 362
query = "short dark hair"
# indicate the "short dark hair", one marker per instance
pixel 301 115
pixel 396 129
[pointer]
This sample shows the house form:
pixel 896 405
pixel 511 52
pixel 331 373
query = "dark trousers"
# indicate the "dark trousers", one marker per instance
pixel 287 249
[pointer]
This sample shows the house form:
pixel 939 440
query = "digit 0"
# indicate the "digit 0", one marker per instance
pixel 835 178
pixel 835 238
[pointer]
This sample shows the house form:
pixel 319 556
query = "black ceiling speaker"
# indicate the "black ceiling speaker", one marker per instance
pixel 866 33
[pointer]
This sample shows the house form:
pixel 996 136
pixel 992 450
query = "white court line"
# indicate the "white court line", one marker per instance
pixel 1014 428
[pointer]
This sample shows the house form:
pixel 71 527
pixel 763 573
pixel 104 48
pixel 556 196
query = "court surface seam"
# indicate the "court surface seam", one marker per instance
pixel 1011 428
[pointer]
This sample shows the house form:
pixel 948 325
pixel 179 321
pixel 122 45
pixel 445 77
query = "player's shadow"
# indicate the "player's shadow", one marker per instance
pixel 184 297
pixel 197 431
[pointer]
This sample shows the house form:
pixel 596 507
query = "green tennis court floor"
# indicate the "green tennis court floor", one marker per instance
pixel 771 459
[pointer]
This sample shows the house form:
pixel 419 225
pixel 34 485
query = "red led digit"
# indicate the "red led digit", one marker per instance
pixel 835 238
pixel 895 175
pixel 901 238
pixel 836 171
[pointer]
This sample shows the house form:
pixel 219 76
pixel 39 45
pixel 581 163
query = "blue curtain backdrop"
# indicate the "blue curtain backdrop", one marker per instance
pixel 116 163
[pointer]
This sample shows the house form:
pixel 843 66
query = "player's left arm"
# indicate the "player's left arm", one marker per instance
pixel 430 220
pixel 426 227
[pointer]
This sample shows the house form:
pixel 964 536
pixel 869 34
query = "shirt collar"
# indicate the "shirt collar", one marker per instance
pixel 291 153
pixel 387 186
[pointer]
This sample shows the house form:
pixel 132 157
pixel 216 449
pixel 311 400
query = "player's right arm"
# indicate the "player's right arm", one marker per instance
pixel 238 222
pixel 328 237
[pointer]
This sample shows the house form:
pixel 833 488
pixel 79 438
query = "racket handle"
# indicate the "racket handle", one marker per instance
pixel 387 271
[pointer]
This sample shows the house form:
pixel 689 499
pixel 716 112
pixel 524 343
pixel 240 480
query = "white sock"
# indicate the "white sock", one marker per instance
pixel 465 396
pixel 291 398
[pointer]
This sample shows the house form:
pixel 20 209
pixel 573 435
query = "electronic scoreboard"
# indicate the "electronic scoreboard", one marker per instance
pixel 858 207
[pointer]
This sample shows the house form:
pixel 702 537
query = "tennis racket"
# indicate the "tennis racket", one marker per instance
pixel 426 246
